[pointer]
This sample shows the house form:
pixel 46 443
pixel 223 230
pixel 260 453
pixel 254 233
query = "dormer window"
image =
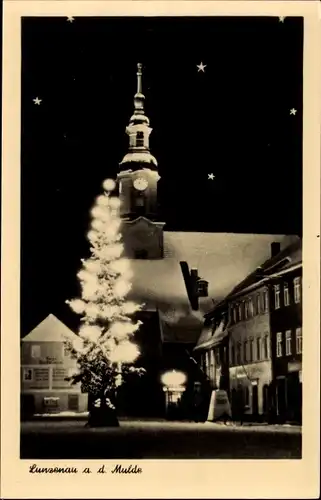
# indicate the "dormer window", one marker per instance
pixel 140 139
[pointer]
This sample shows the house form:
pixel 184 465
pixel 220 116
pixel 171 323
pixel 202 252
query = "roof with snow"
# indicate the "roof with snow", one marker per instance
pixel 51 329
pixel 224 260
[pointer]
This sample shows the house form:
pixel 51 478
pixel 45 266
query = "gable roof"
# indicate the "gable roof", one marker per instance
pixel 51 329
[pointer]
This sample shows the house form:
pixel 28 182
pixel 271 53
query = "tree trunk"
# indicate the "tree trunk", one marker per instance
pixel 102 415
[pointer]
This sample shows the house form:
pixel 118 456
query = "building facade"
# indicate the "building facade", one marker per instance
pixel 250 354
pixel 45 364
pixel 286 342
pixel 259 345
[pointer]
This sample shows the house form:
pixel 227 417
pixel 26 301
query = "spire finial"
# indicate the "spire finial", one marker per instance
pixel 139 78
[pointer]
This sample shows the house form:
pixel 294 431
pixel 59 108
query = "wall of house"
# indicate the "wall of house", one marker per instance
pixel 286 323
pixel 249 349
pixel 44 367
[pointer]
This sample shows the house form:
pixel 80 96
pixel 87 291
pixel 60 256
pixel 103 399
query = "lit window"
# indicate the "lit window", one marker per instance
pixel 139 139
pixel 279 344
pixel 35 351
pixel 265 301
pixel 298 340
pixel 251 349
pixel 245 352
pixel 258 304
pixel 286 295
pixel 297 290
pixel 266 347
pixel 277 296
pixel 28 374
pixel 288 342
pixel 258 349
pixel 251 308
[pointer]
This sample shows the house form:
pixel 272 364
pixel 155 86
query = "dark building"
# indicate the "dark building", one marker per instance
pixel 286 334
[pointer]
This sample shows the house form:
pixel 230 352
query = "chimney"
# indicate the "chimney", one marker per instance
pixel 275 248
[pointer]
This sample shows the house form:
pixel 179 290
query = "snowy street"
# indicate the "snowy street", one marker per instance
pixel 158 439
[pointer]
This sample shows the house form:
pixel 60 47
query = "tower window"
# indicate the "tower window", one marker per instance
pixel 139 139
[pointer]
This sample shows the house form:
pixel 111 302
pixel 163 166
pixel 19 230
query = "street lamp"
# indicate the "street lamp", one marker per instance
pixel 173 379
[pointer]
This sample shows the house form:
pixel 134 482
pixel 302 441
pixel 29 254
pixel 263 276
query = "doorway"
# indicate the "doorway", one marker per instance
pixel 255 399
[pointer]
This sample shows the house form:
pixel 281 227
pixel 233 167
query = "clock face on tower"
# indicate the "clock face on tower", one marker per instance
pixel 140 184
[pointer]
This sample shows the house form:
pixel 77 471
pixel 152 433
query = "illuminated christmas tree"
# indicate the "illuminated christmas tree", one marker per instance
pixel 104 352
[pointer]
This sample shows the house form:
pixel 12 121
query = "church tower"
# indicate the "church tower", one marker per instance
pixel 137 184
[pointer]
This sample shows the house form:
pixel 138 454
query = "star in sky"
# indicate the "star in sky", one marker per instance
pixel 201 67
pixel 211 177
pixel 37 101
pixel 70 19
pixel 293 111
pixel 281 19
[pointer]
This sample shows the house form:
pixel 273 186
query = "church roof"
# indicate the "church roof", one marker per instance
pixel 224 260
pixel 51 329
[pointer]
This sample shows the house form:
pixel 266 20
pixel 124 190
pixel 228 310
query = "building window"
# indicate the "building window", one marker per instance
pixel 277 296
pixel 266 347
pixel 246 309
pixel 251 350
pixel 297 290
pixel 251 308
pixel 265 301
pixel 258 304
pixel 298 340
pixel 286 295
pixel 139 139
pixel 258 349
pixel 288 342
pixel 240 307
pixel 238 354
pixel 28 374
pixel 35 351
pixel 245 352
pixel 234 314
pixel 279 345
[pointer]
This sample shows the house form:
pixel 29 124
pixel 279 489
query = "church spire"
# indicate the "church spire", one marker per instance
pixel 138 130
pixel 139 78
pixel 139 99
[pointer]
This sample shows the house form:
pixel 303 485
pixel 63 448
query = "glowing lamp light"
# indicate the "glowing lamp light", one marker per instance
pixel 173 379
pixel 109 184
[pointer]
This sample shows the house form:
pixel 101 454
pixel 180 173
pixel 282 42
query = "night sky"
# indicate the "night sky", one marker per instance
pixel 233 119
